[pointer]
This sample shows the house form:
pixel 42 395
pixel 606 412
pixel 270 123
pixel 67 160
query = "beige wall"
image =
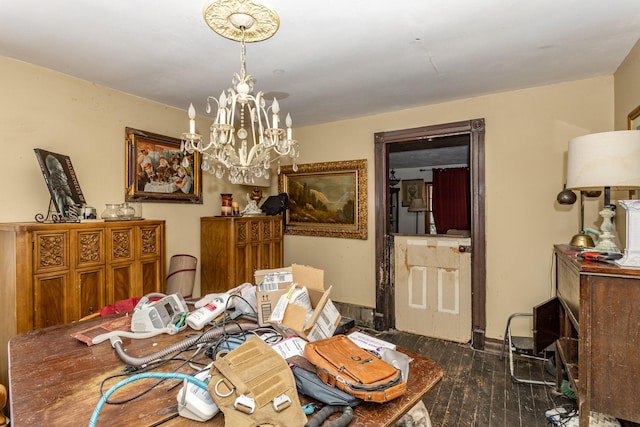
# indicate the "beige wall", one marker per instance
pixel 627 87
pixel 526 139
pixel 627 98
pixel 43 109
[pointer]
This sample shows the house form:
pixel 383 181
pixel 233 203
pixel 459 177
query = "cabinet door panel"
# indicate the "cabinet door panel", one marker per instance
pixel 276 254
pixel 51 251
pixel 546 323
pixel 151 277
pixel 90 285
pixel 243 254
pixel 242 234
pixel 150 241
pixel 255 230
pixel 255 261
pixel 89 248
pixel 50 298
pixel 120 245
pixel 122 278
pixel 266 255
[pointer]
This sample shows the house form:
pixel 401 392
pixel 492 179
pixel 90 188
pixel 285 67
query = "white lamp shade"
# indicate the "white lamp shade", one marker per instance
pixel 606 159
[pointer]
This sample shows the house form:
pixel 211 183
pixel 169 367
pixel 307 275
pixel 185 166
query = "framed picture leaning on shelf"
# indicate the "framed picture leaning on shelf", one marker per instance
pixel 61 181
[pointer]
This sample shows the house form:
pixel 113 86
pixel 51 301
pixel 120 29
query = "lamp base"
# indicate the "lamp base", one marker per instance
pixel 606 241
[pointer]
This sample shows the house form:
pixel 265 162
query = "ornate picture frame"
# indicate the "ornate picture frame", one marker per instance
pixel 633 119
pixel 326 199
pixel 412 189
pixel 158 171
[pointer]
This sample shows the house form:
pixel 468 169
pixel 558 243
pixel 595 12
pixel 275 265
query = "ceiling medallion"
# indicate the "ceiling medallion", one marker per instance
pixel 229 17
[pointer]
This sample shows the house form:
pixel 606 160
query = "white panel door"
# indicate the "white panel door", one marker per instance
pixel 432 279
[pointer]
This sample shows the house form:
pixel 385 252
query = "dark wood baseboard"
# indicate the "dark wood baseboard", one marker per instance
pixel 361 314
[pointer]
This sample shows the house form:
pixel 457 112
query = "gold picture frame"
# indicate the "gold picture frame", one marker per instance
pixel 326 199
pixel 158 171
pixel 633 119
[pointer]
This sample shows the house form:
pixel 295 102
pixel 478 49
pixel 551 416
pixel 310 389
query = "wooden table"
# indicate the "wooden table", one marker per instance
pixel 55 379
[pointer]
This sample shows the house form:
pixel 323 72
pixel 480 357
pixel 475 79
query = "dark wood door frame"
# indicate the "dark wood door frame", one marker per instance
pixel 384 316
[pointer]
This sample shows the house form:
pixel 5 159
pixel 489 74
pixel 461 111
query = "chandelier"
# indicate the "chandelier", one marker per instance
pixel 245 137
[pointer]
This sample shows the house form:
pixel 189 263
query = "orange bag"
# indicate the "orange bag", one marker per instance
pixel 341 363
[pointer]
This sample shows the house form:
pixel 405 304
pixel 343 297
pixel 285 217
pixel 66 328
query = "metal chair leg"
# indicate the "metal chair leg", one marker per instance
pixel 508 340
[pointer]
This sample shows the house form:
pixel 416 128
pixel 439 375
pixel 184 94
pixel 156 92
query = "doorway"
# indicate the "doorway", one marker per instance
pixel 384 317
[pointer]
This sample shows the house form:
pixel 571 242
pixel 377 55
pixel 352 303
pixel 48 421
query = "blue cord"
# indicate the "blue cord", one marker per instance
pixel 94 417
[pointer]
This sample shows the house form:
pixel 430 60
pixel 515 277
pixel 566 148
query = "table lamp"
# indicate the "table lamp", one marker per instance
pixel 417 206
pixel 609 161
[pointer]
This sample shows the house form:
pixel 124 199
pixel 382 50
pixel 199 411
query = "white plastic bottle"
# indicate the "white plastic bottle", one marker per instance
pixel 205 314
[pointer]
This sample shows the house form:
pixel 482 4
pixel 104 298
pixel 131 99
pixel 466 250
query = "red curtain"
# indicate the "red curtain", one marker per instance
pixel 451 197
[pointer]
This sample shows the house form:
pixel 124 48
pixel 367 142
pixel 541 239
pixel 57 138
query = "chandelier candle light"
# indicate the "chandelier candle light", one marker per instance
pixel 245 152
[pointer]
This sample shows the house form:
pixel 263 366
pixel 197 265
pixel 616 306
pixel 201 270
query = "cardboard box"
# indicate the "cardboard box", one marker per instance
pixel 273 283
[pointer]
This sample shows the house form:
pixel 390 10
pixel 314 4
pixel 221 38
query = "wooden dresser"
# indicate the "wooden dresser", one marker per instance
pixel 599 334
pixel 232 248
pixel 57 273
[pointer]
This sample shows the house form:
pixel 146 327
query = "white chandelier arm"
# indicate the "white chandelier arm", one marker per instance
pixel 253 157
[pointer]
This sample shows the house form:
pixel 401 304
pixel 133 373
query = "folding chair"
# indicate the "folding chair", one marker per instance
pixel 523 346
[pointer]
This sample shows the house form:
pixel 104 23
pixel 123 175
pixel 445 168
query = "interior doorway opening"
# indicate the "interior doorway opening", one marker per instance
pixel 415 138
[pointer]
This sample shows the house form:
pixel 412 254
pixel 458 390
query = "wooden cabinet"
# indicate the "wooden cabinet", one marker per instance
pixel 599 334
pixel 232 248
pixel 58 273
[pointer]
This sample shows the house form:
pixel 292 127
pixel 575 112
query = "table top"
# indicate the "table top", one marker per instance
pixel 55 379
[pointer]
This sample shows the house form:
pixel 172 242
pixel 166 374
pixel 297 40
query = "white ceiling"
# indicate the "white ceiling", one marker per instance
pixel 335 59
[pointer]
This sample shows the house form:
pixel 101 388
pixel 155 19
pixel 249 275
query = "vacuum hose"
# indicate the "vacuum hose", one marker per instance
pixel 324 413
pixel 141 361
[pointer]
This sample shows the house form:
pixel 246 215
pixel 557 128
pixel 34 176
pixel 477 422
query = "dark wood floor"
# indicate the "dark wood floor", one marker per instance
pixel 477 389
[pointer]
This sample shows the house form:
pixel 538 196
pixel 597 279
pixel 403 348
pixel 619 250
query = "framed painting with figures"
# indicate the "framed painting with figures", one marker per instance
pixel 157 170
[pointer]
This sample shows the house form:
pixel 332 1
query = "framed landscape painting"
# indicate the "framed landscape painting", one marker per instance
pixel 326 199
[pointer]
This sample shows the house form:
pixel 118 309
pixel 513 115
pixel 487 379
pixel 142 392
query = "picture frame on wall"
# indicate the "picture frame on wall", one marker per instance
pixel 633 119
pixel 326 199
pixel 157 170
pixel 62 182
pixel 412 189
